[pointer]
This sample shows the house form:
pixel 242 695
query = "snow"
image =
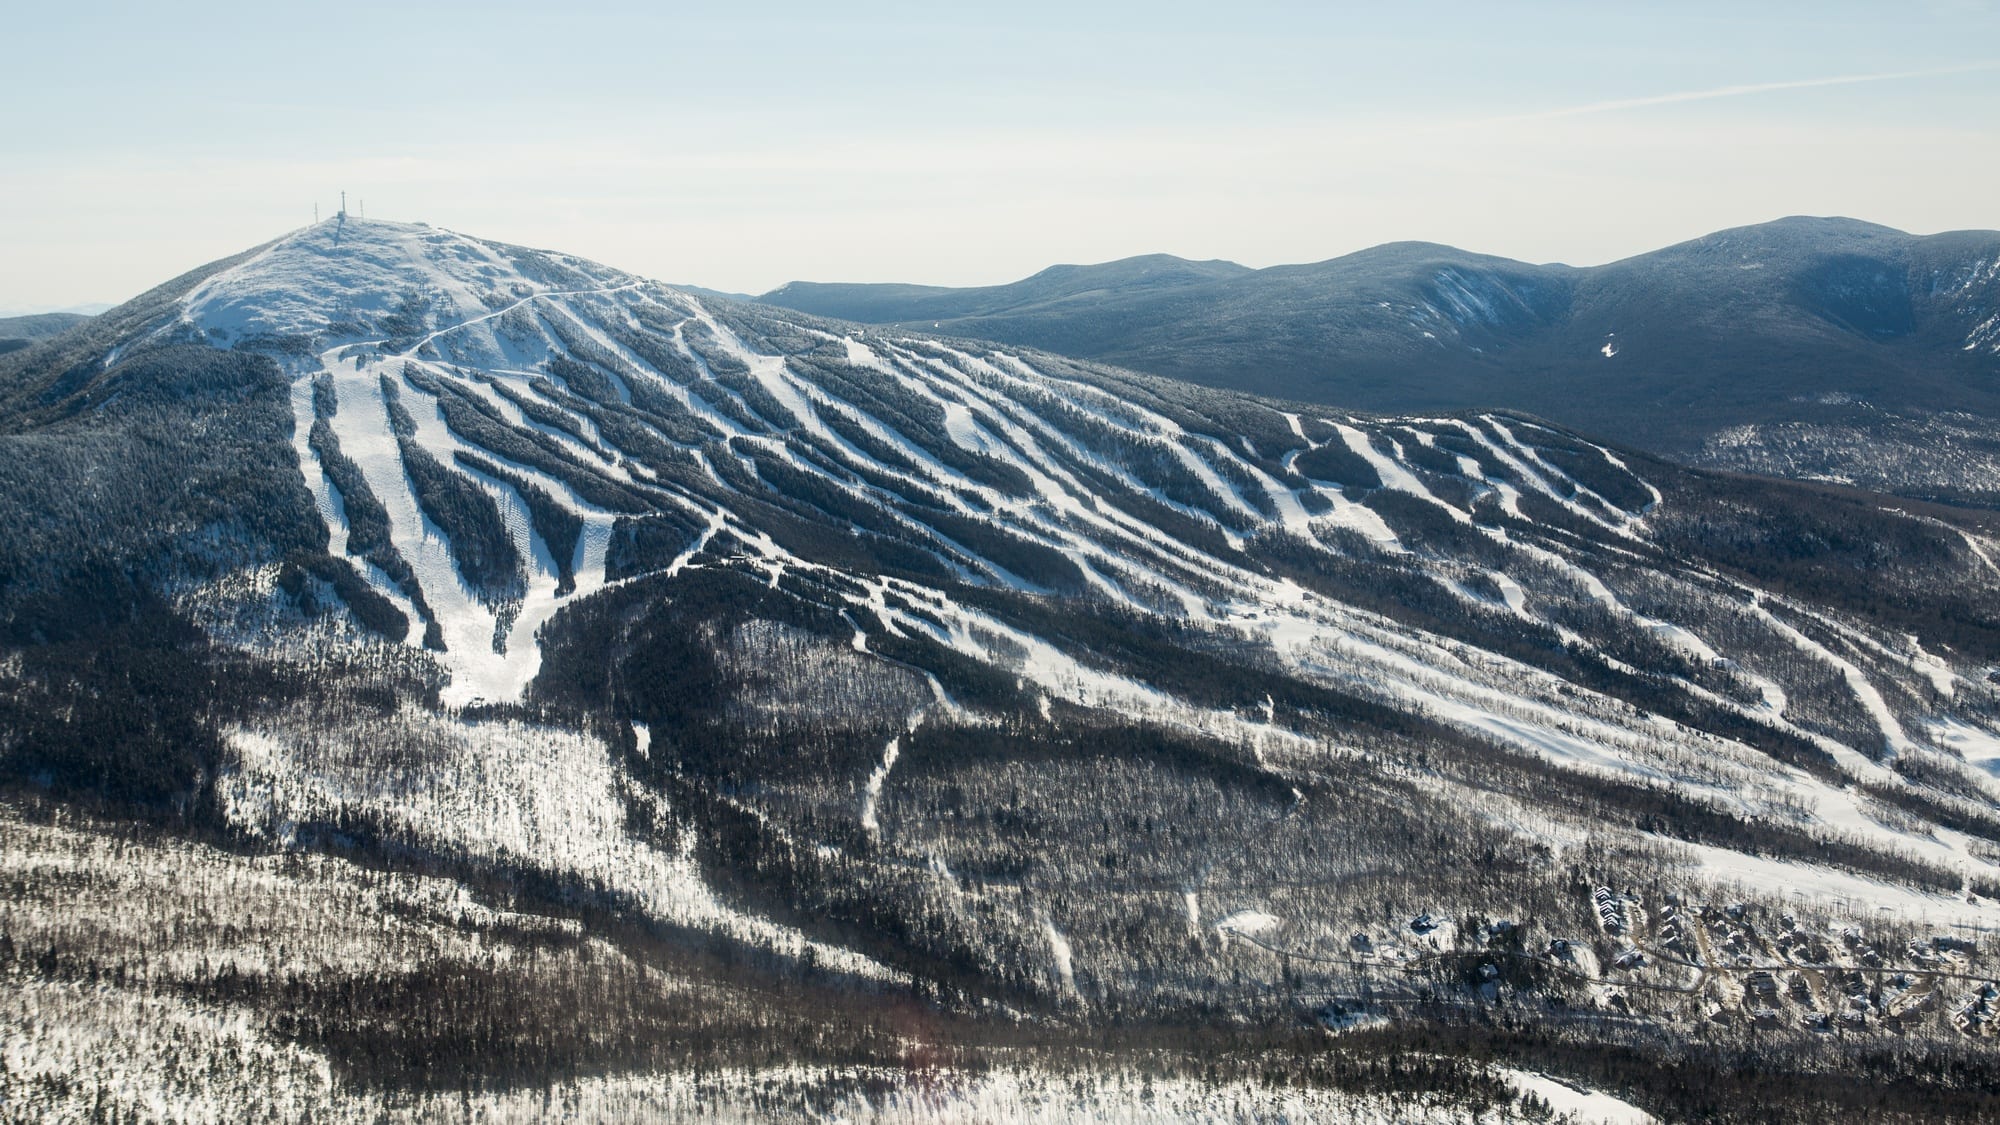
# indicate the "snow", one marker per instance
pixel 75 1051
pixel 1775 699
pixel 873 792
pixel 1517 458
pixel 1585 1107
pixel 1933 668
pixel 1361 518
pixel 1249 923
pixel 770 373
pixel 1865 693
pixel 689 400
pixel 1026 430
pixel 1422 681
pixel 1978 746
pixel 964 432
pixel 356 271
pixel 1392 472
pixel 560 802
pixel 1828 887
pixel 717 521
pixel 1680 638
pixel 1061 957
pixel 1620 464
pixel 467 622
pixel 336 281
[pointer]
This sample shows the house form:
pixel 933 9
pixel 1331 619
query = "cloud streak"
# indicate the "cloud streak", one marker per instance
pixel 1717 92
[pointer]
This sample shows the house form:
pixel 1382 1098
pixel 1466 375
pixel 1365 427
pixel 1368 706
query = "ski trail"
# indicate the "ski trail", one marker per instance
pixel 1541 472
pixel 413 349
pixel 717 521
pixel 1619 462
pixel 1061 957
pixel 1979 550
pixel 872 793
pixel 1392 472
pixel 1895 741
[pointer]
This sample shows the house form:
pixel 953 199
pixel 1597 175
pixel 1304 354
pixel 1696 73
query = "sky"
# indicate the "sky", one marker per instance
pixel 740 147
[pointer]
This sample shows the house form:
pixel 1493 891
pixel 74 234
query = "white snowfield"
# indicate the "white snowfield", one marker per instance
pixel 1584 1107
pixel 1088 485
pixel 1249 923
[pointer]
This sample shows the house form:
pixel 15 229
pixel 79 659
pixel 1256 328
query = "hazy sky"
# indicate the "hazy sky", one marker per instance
pixel 741 146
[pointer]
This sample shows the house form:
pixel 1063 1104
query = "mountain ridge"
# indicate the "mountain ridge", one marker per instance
pixel 1810 347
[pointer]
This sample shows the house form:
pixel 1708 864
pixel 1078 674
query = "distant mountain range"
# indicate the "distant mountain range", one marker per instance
pixel 17 332
pixel 1807 347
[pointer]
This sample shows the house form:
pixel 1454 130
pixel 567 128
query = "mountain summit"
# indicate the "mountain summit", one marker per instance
pixel 703 697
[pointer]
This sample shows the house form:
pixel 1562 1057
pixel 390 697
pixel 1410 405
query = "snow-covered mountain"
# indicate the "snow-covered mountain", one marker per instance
pixel 887 689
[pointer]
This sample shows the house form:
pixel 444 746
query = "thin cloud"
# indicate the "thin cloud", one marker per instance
pixel 1620 104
